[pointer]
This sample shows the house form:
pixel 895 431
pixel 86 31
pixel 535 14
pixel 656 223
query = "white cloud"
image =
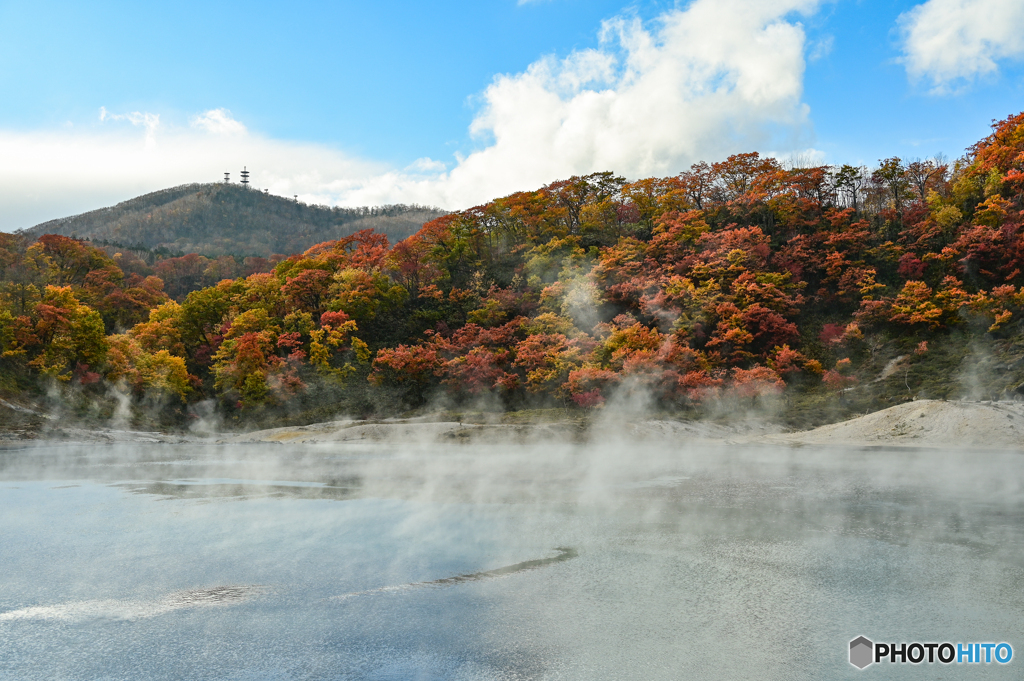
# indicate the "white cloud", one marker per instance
pixel 219 122
pixel 149 121
pixel 425 165
pixel 946 41
pixel 821 48
pixel 51 174
pixel 698 83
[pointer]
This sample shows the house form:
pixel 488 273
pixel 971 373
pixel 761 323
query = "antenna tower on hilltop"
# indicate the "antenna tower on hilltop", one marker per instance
pixel 245 177
pixel 227 177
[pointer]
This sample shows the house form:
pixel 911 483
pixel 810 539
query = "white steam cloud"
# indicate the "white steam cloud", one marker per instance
pixel 946 41
pixel 700 82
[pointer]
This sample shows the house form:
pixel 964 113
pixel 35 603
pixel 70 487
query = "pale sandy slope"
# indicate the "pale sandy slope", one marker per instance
pixel 926 423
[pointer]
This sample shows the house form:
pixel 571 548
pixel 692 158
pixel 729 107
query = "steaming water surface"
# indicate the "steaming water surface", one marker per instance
pixel 619 561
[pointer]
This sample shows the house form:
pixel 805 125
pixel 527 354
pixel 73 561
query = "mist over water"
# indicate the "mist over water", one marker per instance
pixel 618 559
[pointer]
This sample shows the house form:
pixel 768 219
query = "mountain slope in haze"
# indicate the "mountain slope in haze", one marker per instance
pixel 223 219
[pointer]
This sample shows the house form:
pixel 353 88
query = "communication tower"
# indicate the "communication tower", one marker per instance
pixel 227 177
pixel 245 177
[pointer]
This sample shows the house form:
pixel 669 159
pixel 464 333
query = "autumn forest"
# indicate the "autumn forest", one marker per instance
pixel 743 280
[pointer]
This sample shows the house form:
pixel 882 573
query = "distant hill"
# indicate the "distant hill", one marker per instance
pixel 228 219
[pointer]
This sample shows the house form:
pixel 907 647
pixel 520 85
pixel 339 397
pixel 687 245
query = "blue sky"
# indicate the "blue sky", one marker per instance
pixel 455 103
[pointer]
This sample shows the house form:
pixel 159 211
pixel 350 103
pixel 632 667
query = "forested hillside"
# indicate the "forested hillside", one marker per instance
pixel 732 283
pixel 229 219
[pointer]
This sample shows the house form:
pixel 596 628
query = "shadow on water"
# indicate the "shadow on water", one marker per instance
pixel 235 594
pixel 563 555
pixel 245 490
pixel 214 596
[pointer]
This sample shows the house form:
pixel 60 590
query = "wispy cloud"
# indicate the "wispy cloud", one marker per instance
pixel 425 165
pixel 149 121
pixel 219 122
pixel 952 42
pixel 821 48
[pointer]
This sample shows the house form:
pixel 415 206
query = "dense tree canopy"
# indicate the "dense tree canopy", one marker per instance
pixel 741 277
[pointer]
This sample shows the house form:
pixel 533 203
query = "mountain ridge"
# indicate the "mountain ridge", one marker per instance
pixel 215 219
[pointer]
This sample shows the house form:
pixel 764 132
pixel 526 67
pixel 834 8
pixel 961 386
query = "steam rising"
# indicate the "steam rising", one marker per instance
pixel 408 556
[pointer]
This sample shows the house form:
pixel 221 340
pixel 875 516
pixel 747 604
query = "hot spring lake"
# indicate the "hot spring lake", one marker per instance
pixel 617 560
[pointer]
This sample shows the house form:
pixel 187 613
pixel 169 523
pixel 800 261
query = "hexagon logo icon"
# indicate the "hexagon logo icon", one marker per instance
pixel 861 651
